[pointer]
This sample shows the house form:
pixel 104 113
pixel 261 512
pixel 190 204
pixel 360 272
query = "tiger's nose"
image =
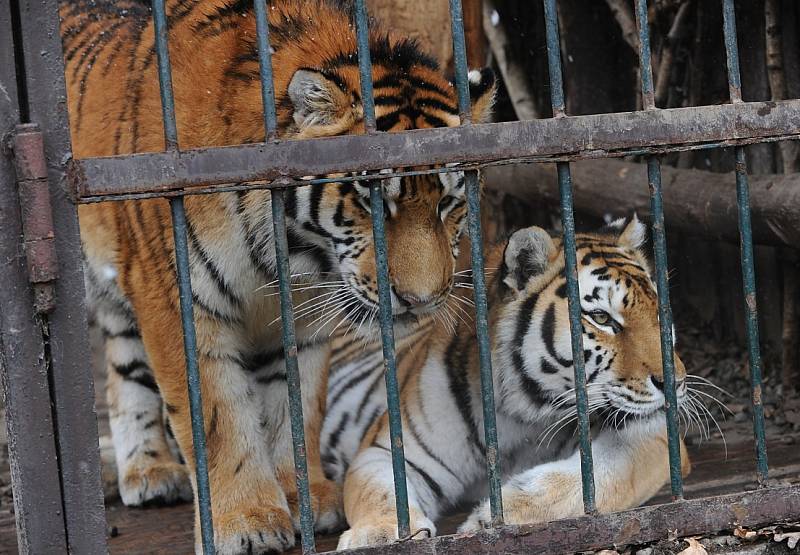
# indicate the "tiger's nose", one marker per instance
pixel 413 300
pixel 658 381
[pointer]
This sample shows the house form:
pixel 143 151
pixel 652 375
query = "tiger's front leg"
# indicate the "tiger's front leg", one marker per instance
pixel 249 508
pixel 326 495
pixel 629 468
pixel 370 501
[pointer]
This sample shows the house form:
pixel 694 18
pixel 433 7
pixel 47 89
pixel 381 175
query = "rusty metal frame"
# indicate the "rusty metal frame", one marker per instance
pixel 634 527
pixel 567 138
pixel 57 486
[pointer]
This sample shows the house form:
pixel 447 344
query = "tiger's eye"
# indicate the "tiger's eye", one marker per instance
pixel 600 317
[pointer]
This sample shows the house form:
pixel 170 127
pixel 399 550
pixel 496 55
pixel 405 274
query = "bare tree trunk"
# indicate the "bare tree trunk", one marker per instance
pixel 696 202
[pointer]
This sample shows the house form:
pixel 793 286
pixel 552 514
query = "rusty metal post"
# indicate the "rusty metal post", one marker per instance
pixel 23 368
pixel 72 387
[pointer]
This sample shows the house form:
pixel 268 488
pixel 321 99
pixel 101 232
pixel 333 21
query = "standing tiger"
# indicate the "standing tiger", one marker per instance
pixel 114 108
pixel 534 391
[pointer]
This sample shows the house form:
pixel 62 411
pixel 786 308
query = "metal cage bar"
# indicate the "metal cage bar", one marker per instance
pixel 746 247
pixel 293 381
pixel 192 373
pixel 183 274
pixel 472 184
pixel 384 288
pixel 570 262
pixel 292 371
pixel 661 267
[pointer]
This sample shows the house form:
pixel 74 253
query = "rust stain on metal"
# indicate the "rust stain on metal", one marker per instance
pixel 740 513
pixel 38 234
pixel 750 299
pixel 629 532
pixel 766 109
pixel 757 394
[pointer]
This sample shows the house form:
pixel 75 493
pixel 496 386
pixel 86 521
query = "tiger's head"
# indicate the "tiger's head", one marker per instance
pixel 620 325
pixel 330 225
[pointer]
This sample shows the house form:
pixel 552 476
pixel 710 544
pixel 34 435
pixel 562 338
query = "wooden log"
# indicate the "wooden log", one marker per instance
pixel 696 202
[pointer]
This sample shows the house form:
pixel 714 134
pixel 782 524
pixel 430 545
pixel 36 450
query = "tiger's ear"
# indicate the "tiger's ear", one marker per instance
pixel 634 234
pixel 321 107
pixel 527 255
pixel 482 89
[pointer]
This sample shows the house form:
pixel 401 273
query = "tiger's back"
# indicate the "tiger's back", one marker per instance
pixel 114 104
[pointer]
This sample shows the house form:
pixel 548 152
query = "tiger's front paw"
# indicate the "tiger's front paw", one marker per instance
pixel 154 483
pixel 326 504
pixel 382 533
pixel 479 519
pixel 252 531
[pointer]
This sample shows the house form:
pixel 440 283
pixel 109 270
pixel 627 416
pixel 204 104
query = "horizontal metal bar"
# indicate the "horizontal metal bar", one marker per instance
pixel 579 137
pixel 637 526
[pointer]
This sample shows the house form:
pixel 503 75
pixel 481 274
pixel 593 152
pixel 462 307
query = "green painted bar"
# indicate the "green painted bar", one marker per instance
pixel 478 277
pixel 570 264
pixel 192 373
pixel 746 247
pixel 384 288
pixel 660 254
pixel 292 370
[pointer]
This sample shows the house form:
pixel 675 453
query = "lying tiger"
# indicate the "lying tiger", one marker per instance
pixel 115 108
pixel 534 392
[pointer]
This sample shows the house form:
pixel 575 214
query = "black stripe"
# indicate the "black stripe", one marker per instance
pixel 456 359
pixel 419 439
pixel 548 331
pixel 211 268
pixel 530 386
pixel 336 435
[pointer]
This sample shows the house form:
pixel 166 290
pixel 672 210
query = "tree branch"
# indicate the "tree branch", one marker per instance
pixel 514 76
pixel 668 53
pixel 777 77
pixel 624 16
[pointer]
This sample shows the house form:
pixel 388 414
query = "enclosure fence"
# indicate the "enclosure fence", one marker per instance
pixel 55 464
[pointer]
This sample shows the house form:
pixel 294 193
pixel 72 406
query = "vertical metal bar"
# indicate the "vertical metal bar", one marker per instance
pixel 478 276
pixel 38 504
pixel 648 95
pixel 192 372
pixel 265 68
pixel 284 281
pixel 184 287
pixel 72 386
pixel 165 75
pixel 570 262
pixel 365 66
pixel 384 289
pixel 665 324
pixel 731 50
pixel 292 371
pixel 660 252
pixel 746 247
pixel 389 361
pixel 460 60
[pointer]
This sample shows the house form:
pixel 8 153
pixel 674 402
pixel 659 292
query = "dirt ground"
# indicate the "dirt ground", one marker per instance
pixel 722 460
